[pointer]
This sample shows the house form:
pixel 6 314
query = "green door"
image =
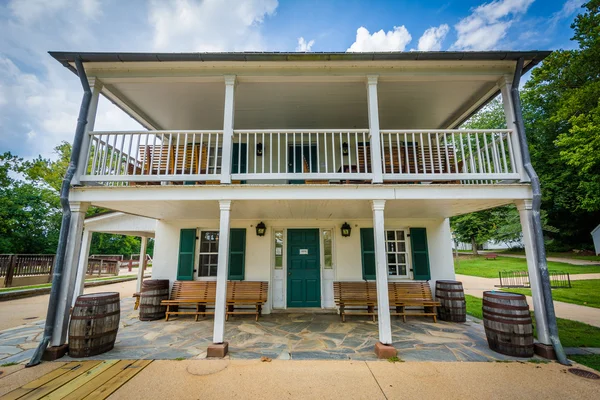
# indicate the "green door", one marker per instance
pixel 303 268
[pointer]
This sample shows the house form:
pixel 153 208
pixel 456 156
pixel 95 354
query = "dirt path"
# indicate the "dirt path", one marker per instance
pixel 22 311
pixel 475 286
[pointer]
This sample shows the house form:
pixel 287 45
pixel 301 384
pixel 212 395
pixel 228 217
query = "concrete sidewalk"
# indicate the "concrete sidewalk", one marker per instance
pixel 228 379
pixel 475 286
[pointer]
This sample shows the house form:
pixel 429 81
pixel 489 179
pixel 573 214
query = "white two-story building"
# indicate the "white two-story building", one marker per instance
pixel 299 169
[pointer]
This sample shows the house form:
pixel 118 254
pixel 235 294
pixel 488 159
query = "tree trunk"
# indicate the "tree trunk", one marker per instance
pixel 474 246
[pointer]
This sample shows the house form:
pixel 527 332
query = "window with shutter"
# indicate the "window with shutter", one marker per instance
pixel 237 254
pixel 187 248
pixel 367 245
pixel 420 254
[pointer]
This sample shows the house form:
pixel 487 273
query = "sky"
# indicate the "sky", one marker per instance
pixel 40 99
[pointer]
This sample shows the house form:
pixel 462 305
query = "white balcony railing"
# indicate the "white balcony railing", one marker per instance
pixel 300 156
pixel 157 156
pixel 446 155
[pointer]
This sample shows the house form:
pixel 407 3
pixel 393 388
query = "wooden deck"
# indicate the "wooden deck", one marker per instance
pixel 81 380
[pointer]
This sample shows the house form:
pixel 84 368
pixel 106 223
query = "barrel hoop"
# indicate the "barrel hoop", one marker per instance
pixel 450 298
pixel 510 334
pixel 96 302
pixel 504 306
pixel 506 321
pixel 97 335
pixel 449 290
pixel 497 313
pixel 145 296
pixel 96 316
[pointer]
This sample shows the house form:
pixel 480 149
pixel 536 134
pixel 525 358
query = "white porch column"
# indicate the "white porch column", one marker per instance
pixel 96 87
pixel 221 299
pixel 69 273
pixel 141 264
pixel 509 113
pixel 381 273
pixel 228 117
pixel 539 308
pixel 374 136
pixel 82 264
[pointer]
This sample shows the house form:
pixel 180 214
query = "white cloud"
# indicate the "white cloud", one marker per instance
pixel 209 25
pixel 303 45
pixel 395 40
pixel 488 24
pixel 568 9
pixel 432 38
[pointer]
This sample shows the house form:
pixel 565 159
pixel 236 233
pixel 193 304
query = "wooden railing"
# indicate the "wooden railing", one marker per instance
pixel 301 156
pixel 99 267
pixel 22 265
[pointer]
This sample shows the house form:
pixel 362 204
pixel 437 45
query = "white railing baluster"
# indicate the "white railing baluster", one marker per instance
pixel 208 149
pixel 505 170
pixel 448 166
pixel 439 152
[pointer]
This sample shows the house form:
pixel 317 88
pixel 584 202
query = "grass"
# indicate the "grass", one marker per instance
pixel 479 266
pixel 583 293
pixel 47 285
pixel 571 333
pixel 9 364
pixel 394 359
pixel 592 360
pixel 567 254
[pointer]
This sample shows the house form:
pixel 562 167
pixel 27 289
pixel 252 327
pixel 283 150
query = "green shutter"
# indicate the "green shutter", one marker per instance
pixel 187 250
pixel 367 245
pixel 420 254
pixel 239 161
pixel 237 254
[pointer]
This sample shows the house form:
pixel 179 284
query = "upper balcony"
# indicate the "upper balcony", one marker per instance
pixel 273 118
pixel 331 156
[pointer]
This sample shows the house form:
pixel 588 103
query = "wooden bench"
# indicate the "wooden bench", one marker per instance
pixel 245 293
pixel 199 294
pixel 360 296
pixel 491 256
pixel 413 295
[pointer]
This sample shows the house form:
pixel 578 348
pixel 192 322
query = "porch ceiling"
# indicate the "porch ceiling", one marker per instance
pixel 294 206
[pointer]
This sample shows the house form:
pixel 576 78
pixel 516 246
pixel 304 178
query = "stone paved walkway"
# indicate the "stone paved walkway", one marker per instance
pixel 297 336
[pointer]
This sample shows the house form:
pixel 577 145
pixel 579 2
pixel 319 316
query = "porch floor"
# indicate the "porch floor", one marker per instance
pixel 297 336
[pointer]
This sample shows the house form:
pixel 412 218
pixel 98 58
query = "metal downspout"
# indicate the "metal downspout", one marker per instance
pixel 540 248
pixel 57 277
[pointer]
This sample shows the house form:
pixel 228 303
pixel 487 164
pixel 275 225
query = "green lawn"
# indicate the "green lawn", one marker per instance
pixel 584 293
pixel 479 266
pixel 592 361
pixel 568 254
pixel 572 333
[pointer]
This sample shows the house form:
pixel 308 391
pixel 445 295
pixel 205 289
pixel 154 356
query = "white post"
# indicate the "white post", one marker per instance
pixel 505 85
pixel 374 136
pixel 82 265
pixel 539 307
pixel 228 118
pixel 223 263
pixel 383 302
pixel 63 307
pixel 96 87
pixel 141 264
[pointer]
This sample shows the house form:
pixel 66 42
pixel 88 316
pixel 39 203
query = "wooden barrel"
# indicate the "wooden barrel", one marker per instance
pixel 153 292
pixel 507 323
pixel 452 297
pixel 94 324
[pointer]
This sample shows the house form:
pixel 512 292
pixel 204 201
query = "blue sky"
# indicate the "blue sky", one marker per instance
pixel 39 99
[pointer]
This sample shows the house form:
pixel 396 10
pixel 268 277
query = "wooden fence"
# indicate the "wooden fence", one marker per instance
pixel 23 265
pixel 99 267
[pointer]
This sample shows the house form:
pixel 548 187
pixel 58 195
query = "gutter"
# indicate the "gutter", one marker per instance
pixel 59 265
pixel 540 248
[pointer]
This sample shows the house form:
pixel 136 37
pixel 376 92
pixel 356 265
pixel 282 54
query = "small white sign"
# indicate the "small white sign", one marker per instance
pixel 278 251
pixel 303 252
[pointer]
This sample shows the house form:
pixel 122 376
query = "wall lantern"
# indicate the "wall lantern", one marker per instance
pixel 345 148
pixel 261 229
pixel 259 149
pixel 346 229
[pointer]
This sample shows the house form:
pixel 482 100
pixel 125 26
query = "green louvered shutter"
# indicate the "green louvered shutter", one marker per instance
pixel 187 249
pixel 237 254
pixel 420 254
pixel 367 245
